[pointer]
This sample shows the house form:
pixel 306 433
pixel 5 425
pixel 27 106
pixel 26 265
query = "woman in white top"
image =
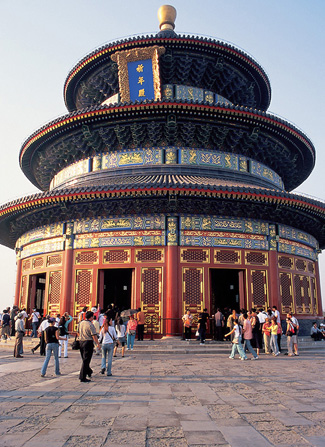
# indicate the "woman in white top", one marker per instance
pixel 121 340
pixel 107 336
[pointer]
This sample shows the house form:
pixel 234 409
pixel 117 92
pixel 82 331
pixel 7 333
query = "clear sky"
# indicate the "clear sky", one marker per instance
pixel 41 40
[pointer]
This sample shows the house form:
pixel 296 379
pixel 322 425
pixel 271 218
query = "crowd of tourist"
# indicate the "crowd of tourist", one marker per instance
pixel 107 329
pixel 103 332
pixel 249 331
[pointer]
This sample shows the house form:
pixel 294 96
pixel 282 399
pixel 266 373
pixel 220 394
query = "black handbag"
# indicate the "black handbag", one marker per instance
pixel 75 344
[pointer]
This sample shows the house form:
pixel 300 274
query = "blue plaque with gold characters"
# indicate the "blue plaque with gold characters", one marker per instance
pixel 139 73
pixel 141 80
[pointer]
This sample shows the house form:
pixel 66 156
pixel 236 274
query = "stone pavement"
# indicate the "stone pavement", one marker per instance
pixel 157 400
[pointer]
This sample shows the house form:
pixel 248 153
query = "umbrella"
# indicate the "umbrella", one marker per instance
pixel 128 312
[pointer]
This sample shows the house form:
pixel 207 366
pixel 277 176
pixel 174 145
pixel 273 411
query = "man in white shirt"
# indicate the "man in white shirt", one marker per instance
pixel 35 316
pixel 20 331
pixel 41 332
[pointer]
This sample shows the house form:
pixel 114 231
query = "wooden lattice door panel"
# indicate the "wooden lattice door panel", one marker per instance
pixel 256 258
pixel 259 289
pixel 122 256
pixel 83 290
pixel 54 295
pixel 193 297
pixel 313 290
pixel 24 291
pixel 151 291
pixel 287 303
pixel 86 257
pixel 155 255
pixel 54 260
pixel 195 255
pixel 227 256
pixel 285 262
pixel 302 294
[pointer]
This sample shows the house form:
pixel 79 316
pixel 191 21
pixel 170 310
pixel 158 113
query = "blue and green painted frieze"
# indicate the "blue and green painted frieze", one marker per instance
pixel 161 230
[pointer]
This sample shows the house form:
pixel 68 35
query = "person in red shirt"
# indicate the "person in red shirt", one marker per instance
pixel 267 335
pixel 130 332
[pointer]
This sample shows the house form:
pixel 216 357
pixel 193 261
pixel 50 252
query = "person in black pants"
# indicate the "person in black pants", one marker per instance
pixel 141 321
pixel 87 337
pixel 202 325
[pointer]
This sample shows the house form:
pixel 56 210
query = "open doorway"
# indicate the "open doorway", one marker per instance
pixel 226 287
pixel 115 286
pixel 36 298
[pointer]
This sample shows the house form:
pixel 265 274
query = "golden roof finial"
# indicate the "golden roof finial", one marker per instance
pixel 167 17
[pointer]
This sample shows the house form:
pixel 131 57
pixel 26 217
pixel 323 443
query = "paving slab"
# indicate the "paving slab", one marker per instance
pixel 244 437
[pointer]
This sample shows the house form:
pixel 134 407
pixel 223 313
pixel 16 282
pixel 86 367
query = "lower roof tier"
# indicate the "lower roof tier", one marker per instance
pixel 253 134
pixel 173 195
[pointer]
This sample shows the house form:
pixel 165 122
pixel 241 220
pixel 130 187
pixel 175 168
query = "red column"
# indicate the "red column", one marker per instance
pixel 18 280
pixel 172 298
pixel 67 298
pixel 274 286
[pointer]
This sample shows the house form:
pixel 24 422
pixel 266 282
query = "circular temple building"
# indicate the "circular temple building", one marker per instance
pixel 167 186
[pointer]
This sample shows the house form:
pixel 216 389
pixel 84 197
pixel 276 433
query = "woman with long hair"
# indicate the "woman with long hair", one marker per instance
pixel 120 330
pixel 187 321
pixel 107 336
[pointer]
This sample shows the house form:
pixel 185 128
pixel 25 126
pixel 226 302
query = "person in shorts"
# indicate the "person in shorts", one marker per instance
pixel 294 338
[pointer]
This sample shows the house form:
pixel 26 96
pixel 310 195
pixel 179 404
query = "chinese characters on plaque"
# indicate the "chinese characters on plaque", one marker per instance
pixel 141 82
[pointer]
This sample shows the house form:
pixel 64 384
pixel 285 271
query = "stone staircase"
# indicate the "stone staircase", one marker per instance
pixel 175 345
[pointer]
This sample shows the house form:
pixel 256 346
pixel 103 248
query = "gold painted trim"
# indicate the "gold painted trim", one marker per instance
pixel 123 57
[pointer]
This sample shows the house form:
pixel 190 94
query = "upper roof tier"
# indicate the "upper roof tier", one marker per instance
pixel 188 60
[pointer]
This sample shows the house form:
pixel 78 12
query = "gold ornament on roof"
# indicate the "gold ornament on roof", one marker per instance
pixel 167 17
